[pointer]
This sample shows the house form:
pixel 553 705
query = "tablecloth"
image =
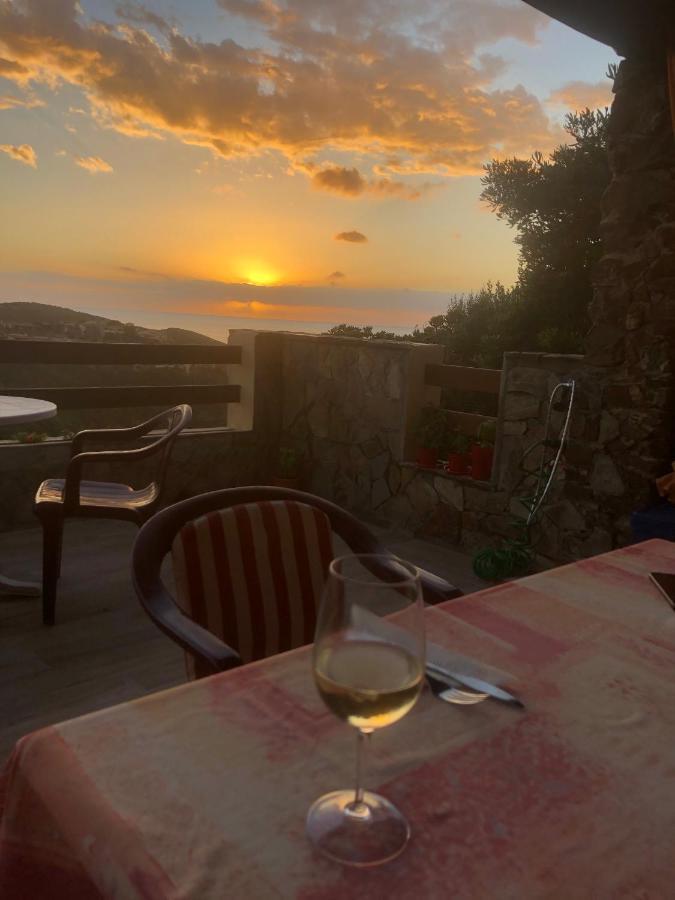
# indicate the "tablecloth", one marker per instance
pixel 201 791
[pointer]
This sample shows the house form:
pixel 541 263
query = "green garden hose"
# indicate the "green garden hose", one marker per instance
pixel 516 555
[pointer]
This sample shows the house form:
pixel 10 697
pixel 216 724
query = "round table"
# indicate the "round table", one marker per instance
pixel 17 411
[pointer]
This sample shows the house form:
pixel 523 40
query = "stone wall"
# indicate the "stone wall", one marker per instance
pixel 633 334
pixel 349 407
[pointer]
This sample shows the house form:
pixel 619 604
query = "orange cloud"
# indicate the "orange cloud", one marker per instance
pixel 350 183
pixel 24 153
pixel 352 237
pixel 340 180
pixel 328 77
pixel 93 164
pixel 8 102
pixel 582 94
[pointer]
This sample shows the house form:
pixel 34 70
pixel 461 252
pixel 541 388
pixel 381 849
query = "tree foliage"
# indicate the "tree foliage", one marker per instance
pixel 553 203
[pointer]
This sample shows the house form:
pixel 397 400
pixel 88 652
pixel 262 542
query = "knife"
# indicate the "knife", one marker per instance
pixel 474 684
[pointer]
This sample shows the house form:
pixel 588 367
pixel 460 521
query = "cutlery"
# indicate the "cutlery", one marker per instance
pixel 450 681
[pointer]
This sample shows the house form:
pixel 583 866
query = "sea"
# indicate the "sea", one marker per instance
pixel 218 327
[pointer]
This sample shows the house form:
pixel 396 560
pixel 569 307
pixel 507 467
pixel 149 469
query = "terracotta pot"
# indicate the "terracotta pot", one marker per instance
pixel 457 463
pixel 481 462
pixel 427 457
pixel 292 484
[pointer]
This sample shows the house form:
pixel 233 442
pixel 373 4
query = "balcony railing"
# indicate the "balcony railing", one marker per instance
pixel 122 396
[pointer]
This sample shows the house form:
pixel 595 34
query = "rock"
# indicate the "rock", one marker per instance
pixel 371 447
pixel 450 491
pixel 485 501
pixel 566 516
pixel 378 466
pixel 379 493
pixel 605 478
pixel 528 380
pixel 394 380
pixel 394 477
pixel 514 428
pixel 609 428
pixel 519 405
pixel 421 495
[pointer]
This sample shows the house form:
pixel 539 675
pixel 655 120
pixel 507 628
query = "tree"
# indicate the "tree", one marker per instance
pixel 554 204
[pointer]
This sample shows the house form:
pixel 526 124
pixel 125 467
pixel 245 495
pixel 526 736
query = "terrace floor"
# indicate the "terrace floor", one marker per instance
pixel 103 649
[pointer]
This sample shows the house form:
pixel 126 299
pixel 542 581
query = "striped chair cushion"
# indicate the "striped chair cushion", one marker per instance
pixel 253 574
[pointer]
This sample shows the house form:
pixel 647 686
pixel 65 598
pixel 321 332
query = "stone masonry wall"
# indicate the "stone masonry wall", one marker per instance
pixel 633 313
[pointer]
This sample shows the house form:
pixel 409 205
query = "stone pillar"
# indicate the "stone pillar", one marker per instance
pixel 633 312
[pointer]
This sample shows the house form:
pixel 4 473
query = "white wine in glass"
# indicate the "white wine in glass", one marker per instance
pixel 369 669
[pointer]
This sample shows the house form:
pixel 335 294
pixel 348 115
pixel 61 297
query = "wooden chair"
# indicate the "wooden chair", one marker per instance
pixel 58 498
pixel 249 566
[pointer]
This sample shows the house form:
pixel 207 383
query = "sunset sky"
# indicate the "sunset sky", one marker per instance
pixel 314 160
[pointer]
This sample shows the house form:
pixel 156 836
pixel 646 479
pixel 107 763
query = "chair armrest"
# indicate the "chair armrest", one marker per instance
pixel 436 590
pixel 162 609
pixel 109 434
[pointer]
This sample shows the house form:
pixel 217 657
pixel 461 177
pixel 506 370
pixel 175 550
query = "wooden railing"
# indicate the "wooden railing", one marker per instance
pixel 98 354
pixel 465 379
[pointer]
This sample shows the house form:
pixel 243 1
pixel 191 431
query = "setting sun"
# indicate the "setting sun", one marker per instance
pixel 259 274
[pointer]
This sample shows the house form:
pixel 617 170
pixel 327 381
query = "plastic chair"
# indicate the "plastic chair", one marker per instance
pixel 249 566
pixel 59 498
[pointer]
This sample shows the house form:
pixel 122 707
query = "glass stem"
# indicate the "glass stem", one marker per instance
pixel 361 744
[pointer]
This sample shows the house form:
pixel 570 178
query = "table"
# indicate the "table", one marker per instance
pixel 201 792
pixel 15 411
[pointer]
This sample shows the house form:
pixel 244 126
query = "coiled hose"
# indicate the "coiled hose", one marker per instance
pixel 516 555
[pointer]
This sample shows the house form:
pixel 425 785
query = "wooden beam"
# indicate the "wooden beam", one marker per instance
pixel 467 423
pixel 464 378
pixel 119 397
pixel 101 354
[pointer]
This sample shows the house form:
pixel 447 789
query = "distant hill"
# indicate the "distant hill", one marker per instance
pixel 41 321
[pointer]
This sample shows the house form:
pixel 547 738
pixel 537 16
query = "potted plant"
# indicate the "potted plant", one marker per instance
pixel 458 455
pixel 288 468
pixel 482 451
pixel 432 436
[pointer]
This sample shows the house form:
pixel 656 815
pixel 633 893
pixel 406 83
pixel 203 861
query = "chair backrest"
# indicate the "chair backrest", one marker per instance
pixel 253 574
pixel 177 418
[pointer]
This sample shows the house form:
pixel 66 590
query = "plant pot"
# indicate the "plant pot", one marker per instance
pixel 427 457
pixel 291 484
pixel 481 462
pixel 457 463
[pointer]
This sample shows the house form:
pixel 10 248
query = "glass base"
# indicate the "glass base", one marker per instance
pixel 365 834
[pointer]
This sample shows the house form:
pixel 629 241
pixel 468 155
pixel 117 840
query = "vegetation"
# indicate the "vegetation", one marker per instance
pixel 432 429
pixel 554 206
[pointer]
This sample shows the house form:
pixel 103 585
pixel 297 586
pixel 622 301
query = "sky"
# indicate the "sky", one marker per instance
pixel 313 160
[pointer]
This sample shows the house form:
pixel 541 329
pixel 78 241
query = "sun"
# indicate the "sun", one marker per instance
pixel 259 274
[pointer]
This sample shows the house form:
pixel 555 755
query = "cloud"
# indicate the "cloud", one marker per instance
pixel 352 237
pixel 93 164
pixel 340 180
pixel 141 15
pixel 581 94
pixel 133 291
pixel 29 102
pixel 24 153
pixel 378 78
pixel 350 183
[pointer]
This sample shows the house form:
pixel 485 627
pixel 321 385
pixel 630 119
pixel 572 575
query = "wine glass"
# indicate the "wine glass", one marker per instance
pixel 368 666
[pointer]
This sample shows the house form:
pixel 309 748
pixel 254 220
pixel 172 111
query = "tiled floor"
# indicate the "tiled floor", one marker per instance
pixel 103 649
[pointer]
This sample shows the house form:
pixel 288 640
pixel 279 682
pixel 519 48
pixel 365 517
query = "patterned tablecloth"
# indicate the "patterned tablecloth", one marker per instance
pixel 201 792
